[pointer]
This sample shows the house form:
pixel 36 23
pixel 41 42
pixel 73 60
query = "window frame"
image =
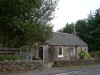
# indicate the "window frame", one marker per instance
pixel 84 48
pixel 73 53
pixel 62 51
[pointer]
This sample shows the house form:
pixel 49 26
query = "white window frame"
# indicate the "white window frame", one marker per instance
pixel 73 53
pixel 84 49
pixel 62 51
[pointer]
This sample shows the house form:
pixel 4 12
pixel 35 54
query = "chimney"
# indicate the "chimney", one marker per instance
pixel 74 31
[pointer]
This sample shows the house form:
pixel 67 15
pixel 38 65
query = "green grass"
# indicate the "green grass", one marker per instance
pixel 4 57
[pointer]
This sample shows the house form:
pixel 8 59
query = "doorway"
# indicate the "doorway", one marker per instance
pixel 40 52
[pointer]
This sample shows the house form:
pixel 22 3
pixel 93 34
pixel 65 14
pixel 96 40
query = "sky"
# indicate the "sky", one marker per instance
pixel 69 11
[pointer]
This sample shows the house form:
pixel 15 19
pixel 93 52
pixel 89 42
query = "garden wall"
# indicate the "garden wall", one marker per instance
pixel 62 63
pixel 20 65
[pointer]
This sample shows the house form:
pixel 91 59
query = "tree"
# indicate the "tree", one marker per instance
pixel 9 11
pixel 17 16
pixel 37 28
pixel 81 29
pixel 88 30
pixel 69 28
pixel 94 31
pixel 27 21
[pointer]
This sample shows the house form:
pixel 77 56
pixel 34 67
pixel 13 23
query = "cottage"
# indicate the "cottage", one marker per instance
pixel 62 46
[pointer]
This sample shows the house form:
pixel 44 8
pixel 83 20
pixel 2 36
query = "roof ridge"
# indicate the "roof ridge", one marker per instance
pixel 63 33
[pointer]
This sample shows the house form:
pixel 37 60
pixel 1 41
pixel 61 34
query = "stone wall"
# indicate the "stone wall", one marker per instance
pixel 63 63
pixel 20 65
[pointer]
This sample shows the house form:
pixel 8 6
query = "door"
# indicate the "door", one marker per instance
pixel 40 52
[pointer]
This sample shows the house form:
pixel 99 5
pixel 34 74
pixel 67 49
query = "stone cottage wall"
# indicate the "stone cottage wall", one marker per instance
pixel 51 53
pixel 79 49
pixel 45 54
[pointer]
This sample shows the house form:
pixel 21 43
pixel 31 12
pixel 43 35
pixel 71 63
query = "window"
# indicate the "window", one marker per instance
pixel 84 48
pixel 72 50
pixel 60 51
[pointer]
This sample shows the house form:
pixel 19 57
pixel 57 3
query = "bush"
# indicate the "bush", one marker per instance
pixel 97 54
pixel 82 55
pixel 87 55
pixel 4 57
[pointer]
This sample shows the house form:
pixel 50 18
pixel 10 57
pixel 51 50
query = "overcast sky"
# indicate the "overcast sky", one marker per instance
pixel 71 10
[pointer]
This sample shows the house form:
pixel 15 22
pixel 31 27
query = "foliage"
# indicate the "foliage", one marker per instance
pixel 94 31
pixel 97 53
pixel 81 28
pixel 87 55
pixel 25 21
pixel 88 30
pixel 9 57
pixel 11 10
pixel 68 28
pixel 82 55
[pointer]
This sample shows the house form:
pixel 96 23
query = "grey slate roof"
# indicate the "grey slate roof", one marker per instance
pixel 59 38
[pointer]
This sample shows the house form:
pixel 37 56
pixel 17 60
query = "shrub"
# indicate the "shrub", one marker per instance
pixel 97 53
pixel 4 57
pixel 82 55
pixel 87 55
